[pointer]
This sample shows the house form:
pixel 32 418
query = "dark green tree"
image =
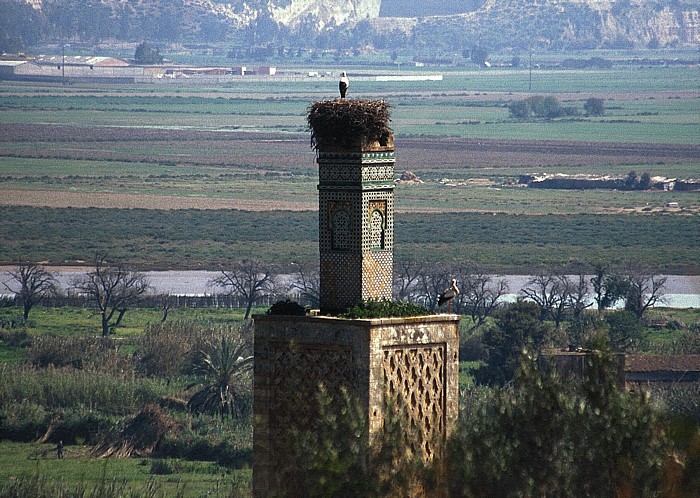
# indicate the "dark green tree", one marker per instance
pixel 594 107
pixel 518 327
pixel 479 55
pixel 625 331
pixel 546 436
pixel 608 287
pixel 632 180
pixel 145 54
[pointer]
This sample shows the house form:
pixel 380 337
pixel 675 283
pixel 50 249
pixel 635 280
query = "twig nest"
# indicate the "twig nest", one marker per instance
pixel 349 123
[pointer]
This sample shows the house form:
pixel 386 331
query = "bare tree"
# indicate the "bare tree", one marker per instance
pixel 644 289
pixel 546 290
pixel 113 288
pixel 32 283
pixel 248 279
pixel 407 276
pixel 432 281
pixel 577 291
pixel 307 281
pixel 480 293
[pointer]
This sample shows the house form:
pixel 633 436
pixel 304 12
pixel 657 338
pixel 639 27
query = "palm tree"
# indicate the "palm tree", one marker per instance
pixel 223 364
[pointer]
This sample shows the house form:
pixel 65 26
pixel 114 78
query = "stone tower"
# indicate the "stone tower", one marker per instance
pixel 408 363
pixel 356 222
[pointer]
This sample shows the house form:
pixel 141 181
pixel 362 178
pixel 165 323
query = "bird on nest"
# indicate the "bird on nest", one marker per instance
pixel 448 295
pixel 343 84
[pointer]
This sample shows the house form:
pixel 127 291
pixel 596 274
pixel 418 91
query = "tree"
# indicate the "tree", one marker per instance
pixel 632 180
pixel 407 276
pixel 625 332
pixel 518 327
pixel 307 281
pixel 558 295
pixel 479 55
pixel 608 288
pixel 113 288
pixel 644 181
pixel 145 54
pixel 644 289
pixel 31 283
pixel 247 279
pixel 546 436
pixel 479 293
pixel 432 282
pixel 223 365
pixel 594 107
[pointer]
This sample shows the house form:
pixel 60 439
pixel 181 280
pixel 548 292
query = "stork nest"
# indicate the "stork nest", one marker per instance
pixel 345 123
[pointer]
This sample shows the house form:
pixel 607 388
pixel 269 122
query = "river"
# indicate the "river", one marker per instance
pixel 681 291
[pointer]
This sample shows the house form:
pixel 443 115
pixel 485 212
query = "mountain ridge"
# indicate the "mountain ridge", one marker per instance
pixel 436 25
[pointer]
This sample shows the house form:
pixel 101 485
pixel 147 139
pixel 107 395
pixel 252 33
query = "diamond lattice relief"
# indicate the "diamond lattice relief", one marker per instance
pixel 414 381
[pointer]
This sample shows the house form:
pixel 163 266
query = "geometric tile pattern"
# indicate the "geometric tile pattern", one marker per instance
pixel 356 226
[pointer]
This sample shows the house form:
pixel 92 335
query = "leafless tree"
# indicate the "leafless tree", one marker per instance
pixel 480 293
pixel 578 293
pixel 307 282
pixel 432 281
pixel 644 288
pixel 166 301
pixel 549 291
pixel 32 283
pixel 248 279
pixel 407 276
pixel 114 288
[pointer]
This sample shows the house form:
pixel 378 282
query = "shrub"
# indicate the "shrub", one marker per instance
pixel 543 436
pixel 16 338
pixel 161 468
pixel 22 421
pixel 385 308
pixel 95 354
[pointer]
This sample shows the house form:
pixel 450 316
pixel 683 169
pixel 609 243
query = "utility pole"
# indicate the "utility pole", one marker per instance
pixel 529 81
pixel 63 62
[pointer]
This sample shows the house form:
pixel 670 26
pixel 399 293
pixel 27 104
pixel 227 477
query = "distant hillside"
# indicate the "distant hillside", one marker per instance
pixel 430 26
pixel 425 8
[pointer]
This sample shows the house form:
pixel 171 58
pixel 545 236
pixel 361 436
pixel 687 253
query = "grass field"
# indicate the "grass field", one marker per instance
pixel 33 461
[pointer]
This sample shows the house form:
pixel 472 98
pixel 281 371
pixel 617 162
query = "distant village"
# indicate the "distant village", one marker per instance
pixel 64 68
pixel 100 69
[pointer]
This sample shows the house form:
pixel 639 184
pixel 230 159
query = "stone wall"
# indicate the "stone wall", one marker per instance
pixel 411 363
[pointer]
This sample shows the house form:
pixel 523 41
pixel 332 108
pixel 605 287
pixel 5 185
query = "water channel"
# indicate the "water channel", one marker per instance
pixel 681 291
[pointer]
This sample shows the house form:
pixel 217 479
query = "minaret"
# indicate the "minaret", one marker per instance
pixel 409 363
pixel 356 216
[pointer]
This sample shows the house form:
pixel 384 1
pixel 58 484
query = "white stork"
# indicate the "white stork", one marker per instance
pixel 343 84
pixel 448 295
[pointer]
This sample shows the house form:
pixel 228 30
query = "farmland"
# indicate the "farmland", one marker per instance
pixel 165 175
pixel 192 177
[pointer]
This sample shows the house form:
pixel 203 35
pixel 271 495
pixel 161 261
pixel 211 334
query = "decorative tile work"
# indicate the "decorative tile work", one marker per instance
pixel 356 214
pixel 414 381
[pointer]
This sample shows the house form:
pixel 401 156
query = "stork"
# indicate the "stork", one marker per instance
pixel 448 295
pixel 343 84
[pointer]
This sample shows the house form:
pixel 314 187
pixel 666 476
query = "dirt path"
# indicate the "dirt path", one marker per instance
pixel 57 199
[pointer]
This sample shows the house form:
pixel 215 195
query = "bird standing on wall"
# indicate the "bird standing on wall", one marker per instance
pixel 343 84
pixel 448 295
